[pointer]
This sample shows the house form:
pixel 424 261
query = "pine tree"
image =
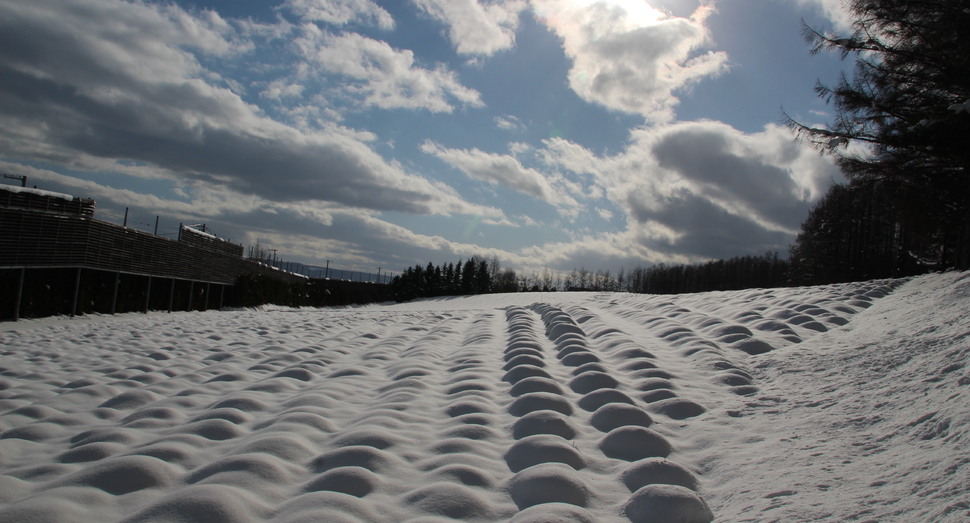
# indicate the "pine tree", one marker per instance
pixel 851 234
pixel 468 277
pixel 908 104
pixel 483 277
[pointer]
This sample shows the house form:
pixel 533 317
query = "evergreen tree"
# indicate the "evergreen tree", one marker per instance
pixel 430 284
pixel 456 279
pixel 852 234
pixel 908 103
pixel 483 277
pixel 448 277
pixel 468 277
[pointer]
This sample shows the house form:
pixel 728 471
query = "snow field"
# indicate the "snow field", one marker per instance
pixel 586 407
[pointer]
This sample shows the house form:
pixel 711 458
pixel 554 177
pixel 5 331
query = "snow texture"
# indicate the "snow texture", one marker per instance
pixel 834 403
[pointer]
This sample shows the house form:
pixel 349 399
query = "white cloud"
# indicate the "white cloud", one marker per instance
pixel 629 56
pixel 519 148
pixel 386 77
pixel 502 170
pixel 493 168
pixel 277 30
pixel 477 27
pixel 279 89
pixel 507 123
pixel 341 12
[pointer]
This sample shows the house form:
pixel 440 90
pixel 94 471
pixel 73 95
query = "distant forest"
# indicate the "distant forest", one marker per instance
pixel 480 276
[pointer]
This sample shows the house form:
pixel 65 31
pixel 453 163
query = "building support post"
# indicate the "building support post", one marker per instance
pixel 77 288
pixel 114 297
pixel 171 295
pixel 222 294
pixel 191 294
pixel 148 293
pixel 208 287
pixel 20 294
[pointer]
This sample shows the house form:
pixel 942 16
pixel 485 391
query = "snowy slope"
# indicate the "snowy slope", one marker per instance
pixel 834 403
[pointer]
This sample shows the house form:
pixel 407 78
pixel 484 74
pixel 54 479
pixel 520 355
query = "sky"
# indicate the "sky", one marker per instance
pixel 376 134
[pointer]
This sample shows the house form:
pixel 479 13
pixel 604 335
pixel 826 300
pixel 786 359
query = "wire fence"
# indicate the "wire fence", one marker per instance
pixel 328 273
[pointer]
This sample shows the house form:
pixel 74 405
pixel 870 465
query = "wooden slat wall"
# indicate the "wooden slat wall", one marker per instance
pixel 39 239
pixel 26 199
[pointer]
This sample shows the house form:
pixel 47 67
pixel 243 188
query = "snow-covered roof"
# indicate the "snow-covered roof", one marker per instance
pixel 38 192
pixel 199 232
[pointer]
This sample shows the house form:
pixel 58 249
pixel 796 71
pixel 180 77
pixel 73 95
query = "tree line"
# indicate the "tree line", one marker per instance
pixel 479 275
pixel 473 276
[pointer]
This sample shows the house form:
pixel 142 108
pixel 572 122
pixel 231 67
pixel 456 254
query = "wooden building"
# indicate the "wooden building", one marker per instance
pixel 52 236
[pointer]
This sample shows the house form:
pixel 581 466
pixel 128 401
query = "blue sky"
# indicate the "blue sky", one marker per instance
pixel 545 133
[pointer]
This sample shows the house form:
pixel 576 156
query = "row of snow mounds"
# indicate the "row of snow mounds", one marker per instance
pixel 722 329
pixel 754 321
pixel 562 450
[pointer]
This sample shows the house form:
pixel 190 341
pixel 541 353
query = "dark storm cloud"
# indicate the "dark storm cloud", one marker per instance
pixel 706 157
pixel 114 80
pixel 704 229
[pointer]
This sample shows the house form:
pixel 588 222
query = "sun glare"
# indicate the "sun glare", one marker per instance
pixel 642 13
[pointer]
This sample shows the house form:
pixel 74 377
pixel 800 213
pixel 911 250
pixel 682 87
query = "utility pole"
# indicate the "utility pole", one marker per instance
pixel 23 179
pixel 327 274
